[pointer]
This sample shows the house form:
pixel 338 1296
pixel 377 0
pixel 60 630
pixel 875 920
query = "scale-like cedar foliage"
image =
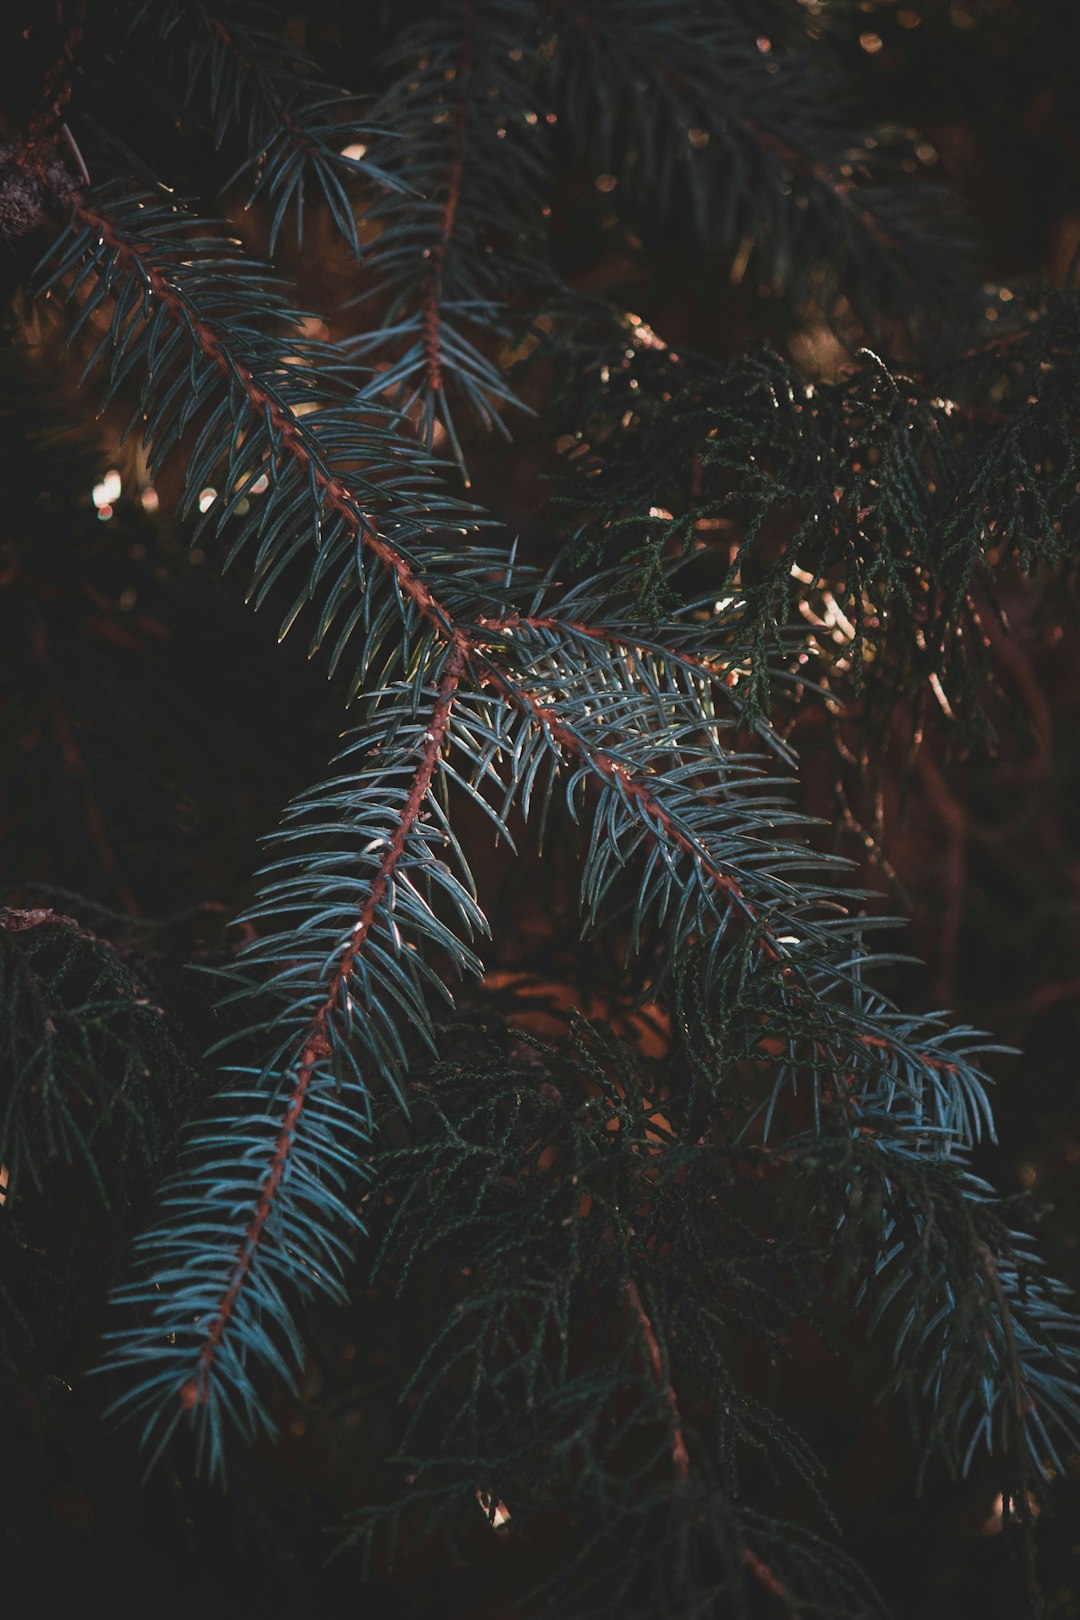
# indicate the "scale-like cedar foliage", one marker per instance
pixel 902 490
pixel 620 1226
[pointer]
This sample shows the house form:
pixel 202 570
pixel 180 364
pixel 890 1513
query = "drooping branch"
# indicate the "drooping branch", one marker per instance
pixel 316 1045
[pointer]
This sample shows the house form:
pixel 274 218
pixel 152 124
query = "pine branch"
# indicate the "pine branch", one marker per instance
pixel 641 727
pixel 298 131
pixel 465 216
pixel 281 1203
pixel 587 1244
pixel 755 137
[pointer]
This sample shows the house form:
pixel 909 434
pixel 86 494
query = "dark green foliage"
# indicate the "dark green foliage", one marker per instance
pixel 97 1079
pixel 597 1242
pixel 560 1207
pixel 589 1252
pixel 465 149
pixel 747 138
pixel 81 1039
pixel 899 495
pixel 240 75
pixel 746 129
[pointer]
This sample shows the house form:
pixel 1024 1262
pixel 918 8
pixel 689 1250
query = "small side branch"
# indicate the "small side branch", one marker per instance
pixel 662 824
pixel 680 1457
pixel 708 667
pixel 431 289
pixel 611 771
pixel 766 1577
pixel 280 109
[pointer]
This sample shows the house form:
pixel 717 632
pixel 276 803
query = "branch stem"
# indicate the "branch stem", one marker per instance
pixel 316 1042
pixel 680 1457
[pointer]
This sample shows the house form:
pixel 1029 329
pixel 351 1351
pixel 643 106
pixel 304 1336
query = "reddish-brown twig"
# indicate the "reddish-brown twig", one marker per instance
pixel 761 1572
pixel 680 1457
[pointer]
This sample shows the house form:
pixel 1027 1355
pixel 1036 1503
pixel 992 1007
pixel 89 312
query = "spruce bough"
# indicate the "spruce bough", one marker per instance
pixel 591 1235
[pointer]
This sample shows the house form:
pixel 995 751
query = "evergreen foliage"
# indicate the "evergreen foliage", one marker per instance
pixel 591 1241
pixel 902 492
pixel 97 1080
